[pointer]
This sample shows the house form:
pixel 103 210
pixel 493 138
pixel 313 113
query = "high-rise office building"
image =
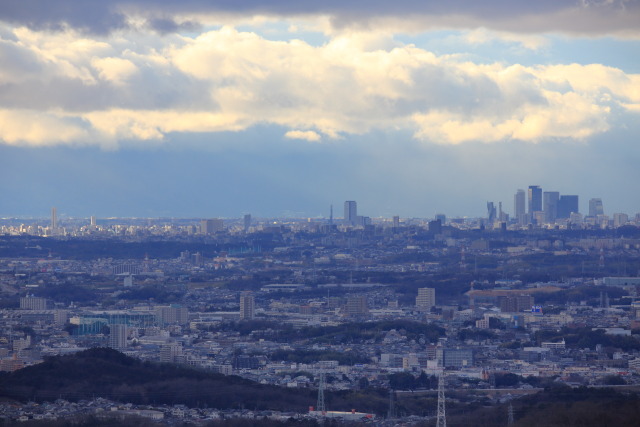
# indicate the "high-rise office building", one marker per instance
pixel 535 200
pixel 350 212
pixel 491 212
pixel 595 207
pixel 54 218
pixel 247 306
pixel 550 206
pixel 247 222
pixel 567 205
pixel 426 298
pixel 396 221
pixel 519 207
pixel 93 220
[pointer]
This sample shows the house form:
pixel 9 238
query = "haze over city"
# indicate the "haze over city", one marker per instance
pixel 285 213
pixel 149 108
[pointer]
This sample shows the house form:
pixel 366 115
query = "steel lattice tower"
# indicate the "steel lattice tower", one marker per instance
pixel 442 418
pixel 392 405
pixel 510 415
pixel 320 406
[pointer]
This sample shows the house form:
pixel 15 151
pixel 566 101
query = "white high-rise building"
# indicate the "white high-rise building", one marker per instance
pixel 426 298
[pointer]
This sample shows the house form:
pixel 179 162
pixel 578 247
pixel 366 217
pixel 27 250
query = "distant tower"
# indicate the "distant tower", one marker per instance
pixel 567 205
pixel 442 417
pixel 247 222
pixel 54 218
pixel 550 201
pixel 595 207
pixel 93 220
pixel 320 405
pixel 519 209
pixel 331 215
pixel 350 212
pixel 247 306
pixel 491 212
pixel 396 222
pixel 535 200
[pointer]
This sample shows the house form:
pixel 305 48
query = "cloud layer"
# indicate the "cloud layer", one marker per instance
pixel 65 88
pixel 98 16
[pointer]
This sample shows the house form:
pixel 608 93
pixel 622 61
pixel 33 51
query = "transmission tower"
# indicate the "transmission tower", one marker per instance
pixel 442 418
pixel 510 415
pixel 320 406
pixel 392 405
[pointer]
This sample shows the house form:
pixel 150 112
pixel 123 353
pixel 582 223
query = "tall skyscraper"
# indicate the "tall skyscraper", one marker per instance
pixel 567 205
pixel 535 200
pixel 550 206
pixel 519 207
pixel 247 222
pixel 426 298
pixel 54 218
pixel 247 306
pixel 595 207
pixel 350 212
pixel 93 220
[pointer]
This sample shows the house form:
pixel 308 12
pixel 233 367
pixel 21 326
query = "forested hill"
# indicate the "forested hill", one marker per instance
pixel 103 372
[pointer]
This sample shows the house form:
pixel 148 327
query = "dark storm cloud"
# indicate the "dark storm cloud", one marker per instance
pixel 99 16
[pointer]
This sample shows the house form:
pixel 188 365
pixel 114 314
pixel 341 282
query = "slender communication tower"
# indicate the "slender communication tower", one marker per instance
pixel 442 418
pixel 320 406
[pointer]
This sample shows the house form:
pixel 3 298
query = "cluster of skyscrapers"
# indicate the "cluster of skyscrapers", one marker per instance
pixel 546 207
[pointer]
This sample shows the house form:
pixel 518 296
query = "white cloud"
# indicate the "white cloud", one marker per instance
pixel 78 90
pixel 308 135
pixel 116 70
pixel 482 36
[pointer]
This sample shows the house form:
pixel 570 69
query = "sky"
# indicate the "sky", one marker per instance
pixel 157 108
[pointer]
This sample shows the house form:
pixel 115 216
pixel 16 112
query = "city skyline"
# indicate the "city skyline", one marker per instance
pixel 562 208
pixel 146 108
